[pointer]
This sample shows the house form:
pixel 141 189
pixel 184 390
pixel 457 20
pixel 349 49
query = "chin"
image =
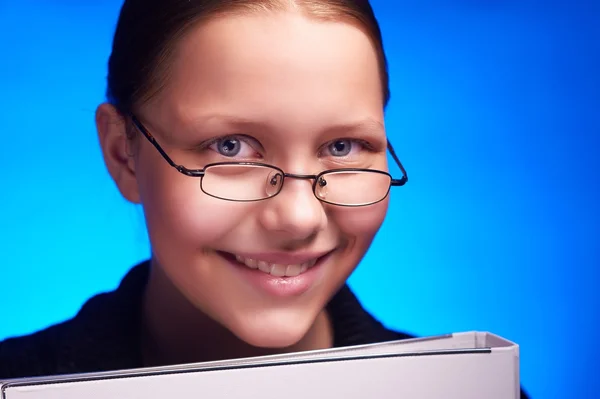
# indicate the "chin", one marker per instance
pixel 277 329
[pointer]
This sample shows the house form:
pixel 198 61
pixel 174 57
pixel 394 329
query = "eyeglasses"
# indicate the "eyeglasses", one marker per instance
pixel 254 181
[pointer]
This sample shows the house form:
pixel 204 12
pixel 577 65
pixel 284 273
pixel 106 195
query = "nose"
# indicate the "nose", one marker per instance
pixel 295 213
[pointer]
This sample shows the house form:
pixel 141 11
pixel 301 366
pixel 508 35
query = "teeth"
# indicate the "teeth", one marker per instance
pixel 293 270
pixel 251 263
pixel 264 267
pixel 278 270
pixel 274 269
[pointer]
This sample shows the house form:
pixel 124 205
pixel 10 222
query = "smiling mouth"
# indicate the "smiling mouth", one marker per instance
pixel 274 269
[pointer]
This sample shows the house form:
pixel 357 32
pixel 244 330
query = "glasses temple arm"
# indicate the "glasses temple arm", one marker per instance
pixel 397 182
pixel 152 140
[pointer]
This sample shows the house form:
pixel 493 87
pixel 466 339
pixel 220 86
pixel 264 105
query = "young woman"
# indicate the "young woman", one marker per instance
pixel 252 134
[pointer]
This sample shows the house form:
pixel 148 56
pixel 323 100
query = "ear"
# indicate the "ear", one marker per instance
pixel 117 150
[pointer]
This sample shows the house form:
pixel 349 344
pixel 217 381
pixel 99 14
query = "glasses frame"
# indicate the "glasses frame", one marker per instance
pixel 315 178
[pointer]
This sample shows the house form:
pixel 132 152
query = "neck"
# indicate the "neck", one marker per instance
pixel 174 331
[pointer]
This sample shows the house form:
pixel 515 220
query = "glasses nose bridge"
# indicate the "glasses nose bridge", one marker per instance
pixel 300 176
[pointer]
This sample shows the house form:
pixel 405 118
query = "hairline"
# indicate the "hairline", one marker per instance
pixel 159 75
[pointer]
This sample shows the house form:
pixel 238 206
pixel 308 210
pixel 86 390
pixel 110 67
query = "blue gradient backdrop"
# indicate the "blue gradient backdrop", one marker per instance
pixel 495 113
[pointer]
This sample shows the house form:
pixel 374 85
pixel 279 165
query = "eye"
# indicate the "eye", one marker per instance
pixel 235 146
pixel 229 147
pixel 340 148
pixel 346 147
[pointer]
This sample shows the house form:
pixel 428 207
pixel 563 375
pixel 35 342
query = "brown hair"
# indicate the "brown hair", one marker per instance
pixel 147 31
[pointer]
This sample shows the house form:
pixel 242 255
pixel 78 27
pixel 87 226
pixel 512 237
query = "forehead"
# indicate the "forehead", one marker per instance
pixel 279 66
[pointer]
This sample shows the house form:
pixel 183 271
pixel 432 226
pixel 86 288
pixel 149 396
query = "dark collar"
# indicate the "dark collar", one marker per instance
pixel 105 334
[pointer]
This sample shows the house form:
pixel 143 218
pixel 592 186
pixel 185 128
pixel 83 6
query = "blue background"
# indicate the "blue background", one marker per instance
pixel 495 113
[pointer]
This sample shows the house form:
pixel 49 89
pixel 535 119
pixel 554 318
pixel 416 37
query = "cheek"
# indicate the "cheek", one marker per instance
pixel 180 215
pixel 361 222
pixel 357 227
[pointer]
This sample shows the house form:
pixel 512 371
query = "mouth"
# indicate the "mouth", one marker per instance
pixel 282 267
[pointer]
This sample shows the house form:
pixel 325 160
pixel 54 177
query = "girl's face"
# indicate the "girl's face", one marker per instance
pixel 280 89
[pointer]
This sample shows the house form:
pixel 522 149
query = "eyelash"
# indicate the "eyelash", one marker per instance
pixel 249 140
pixel 242 137
pixel 363 143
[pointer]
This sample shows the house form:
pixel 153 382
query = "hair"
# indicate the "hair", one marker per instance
pixel 148 30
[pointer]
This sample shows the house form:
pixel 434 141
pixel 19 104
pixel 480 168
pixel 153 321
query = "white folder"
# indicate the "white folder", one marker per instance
pixel 471 365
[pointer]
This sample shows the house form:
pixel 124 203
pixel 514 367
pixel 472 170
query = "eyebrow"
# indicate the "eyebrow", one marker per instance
pixel 368 126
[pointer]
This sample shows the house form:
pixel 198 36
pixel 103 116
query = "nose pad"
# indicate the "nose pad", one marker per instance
pixel 274 181
pixel 321 188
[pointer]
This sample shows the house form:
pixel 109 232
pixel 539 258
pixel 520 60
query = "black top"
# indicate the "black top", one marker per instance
pixel 105 334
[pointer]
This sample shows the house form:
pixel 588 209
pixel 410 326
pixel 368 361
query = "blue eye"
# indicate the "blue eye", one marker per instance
pixel 236 146
pixel 229 146
pixel 340 148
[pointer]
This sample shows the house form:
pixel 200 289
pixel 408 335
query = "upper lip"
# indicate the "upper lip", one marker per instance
pixel 283 258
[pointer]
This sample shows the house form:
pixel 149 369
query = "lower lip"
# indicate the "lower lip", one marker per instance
pixel 279 286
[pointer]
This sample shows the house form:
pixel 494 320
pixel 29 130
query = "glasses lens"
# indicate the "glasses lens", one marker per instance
pixel 241 182
pixel 353 188
pixel 273 183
